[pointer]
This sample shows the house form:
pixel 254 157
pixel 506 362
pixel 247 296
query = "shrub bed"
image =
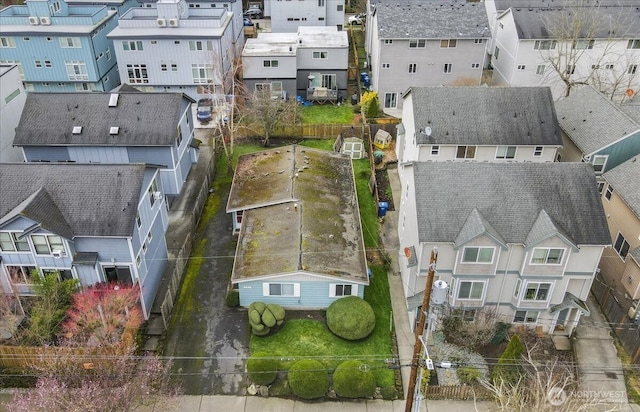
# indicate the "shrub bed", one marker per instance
pixel 308 379
pixel 351 318
pixel 353 379
pixel 262 369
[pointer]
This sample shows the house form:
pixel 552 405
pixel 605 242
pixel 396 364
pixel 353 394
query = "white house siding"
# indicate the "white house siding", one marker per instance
pixel 287 16
pixel 12 98
pixel 253 67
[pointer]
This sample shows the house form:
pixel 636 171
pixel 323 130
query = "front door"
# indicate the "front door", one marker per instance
pixel 561 323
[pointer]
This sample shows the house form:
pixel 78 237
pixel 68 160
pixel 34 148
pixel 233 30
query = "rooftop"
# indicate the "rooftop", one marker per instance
pixel 485 115
pixel 625 180
pixel 300 215
pixel 286 44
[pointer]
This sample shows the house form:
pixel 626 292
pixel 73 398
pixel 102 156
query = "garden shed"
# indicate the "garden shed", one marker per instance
pixel 382 139
pixel 353 147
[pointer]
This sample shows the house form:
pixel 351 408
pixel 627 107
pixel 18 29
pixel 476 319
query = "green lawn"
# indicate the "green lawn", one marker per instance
pixel 327 114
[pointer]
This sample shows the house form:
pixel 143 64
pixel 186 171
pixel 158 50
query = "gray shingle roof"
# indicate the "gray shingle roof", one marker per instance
pixel 510 197
pixel 486 115
pixel 625 179
pixel 144 119
pixel 453 19
pixel 591 120
pixel 534 23
pixel 73 199
pixel 544 228
pixel 474 226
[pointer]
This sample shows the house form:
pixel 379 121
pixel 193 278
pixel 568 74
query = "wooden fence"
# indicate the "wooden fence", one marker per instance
pixel 42 357
pixel 308 131
pixel 458 392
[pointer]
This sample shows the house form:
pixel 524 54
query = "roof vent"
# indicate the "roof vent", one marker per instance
pixel 114 130
pixel 113 100
pixel 77 129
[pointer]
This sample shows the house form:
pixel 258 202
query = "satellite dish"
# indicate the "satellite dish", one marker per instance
pixel 427 131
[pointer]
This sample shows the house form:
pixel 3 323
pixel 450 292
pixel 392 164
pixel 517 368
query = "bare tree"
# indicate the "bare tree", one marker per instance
pixel 585 45
pixel 265 115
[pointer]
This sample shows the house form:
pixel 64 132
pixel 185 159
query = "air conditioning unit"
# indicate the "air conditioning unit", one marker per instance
pixel 34 21
pixel 57 254
pixel 45 21
pixel 161 22
pixel 173 22
pixel 157 195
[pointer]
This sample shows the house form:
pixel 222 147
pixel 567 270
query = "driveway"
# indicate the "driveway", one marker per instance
pixel 209 340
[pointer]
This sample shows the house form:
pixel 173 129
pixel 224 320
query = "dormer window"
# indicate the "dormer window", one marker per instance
pixel 547 256
pixel 477 255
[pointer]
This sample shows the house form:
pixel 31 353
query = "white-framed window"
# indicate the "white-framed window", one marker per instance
pixel 447 68
pixel 583 44
pixel 138 220
pixel 132 45
pixel 144 248
pixel 632 69
pixel 609 192
pixel 199 45
pixel 202 73
pixel 281 289
pixel 413 68
pixel 435 150
pixel 477 254
pixel 270 63
pixel 466 152
pixel 390 100
pixel 47 63
pixel 600 187
pixel 470 289
pixel 386 65
pixel 46 244
pixel 621 246
pixel 540 69
pixel 417 43
pixel 571 69
pixel 521 67
pixel 70 42
pixel 153 188
pixel 544 45
pixel 174 67
pixel 320 55
pixel 537 291
pixel 340 7
pixel 108 54
pixel 163 67
pixel 478 41
pixel 11 242
pixel 609 66
pixel 547 256
pixel 599 162
pixel 339 290
pixel 516 291
pixel 448 43
pixel 137 73
pixel 149 236
pixel 505 152
pixel 496 53
pixel 85 87
pixel 633 44
pixel 537 151
pixel 525 316
pixel 138 260
pixel 7 43
pixel 76 70
pixel 475 65
pixel 20 274
pixel 388 41
pixel 37 63
pixel 20 70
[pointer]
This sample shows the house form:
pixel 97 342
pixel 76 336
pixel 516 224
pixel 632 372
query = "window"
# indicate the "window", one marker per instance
pixel 609 66
pixel 108 54
pixel 388 41
pixel 547 256
pixel 470 290
pixel 477 255
pixel 595 66
pixel 600 187
pixel 496 52
pixel 198 45
pixel 138 260
pixel 621 246
pixel 417 44
pixel 26 39
pixel 599 163
pixel 137 73
pixel 633 44
pixel 131 45
pixel 540 69
pixel 144 248
pixel 149 237
pixel 12 95
pixel 202 73
pixel 76 70
pixel 475 65
pixel 537 291
pixel 544 45
pixel 70 42
pixel 179 137
pixel 38 63
pixel 609 192
pixel 7 42
pixel 633 68
pixel 270 63
pixel 448 43
pixel 506 152
pixel 516 291
pixel 138 220
pixel 525 316
pixel 386 65
pixel 435 150
pixel 537 151
pixel 342 290
pixel 10 242
pixel 521 67
pixel 153 188
pixel 163 67
pixel 390 100
pixel 320 3
pixel 47 63
pixel 478 41
pixel 20 274
pixel 466 152
pixel 413 67
pixel 340 7
pixel 320 54
pixel 174 67
pixel 46 244
pixel 20 70
pixel 447 68
pixel 583 44
pixel 281 289
pixel 501 25
pixel 571 69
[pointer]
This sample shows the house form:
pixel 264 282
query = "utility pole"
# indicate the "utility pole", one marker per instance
pixel 417 348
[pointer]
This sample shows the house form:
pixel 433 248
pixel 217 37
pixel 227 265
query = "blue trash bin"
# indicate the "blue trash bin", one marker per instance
pixel 382 208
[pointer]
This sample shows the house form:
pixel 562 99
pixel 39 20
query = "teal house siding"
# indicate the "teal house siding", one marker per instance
pixel 621 151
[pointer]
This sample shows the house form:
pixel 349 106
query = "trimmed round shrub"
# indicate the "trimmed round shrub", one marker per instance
pixel 262 369
pixel 354 379
pixel 263 317
pixel 308 379
pixel 351 318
